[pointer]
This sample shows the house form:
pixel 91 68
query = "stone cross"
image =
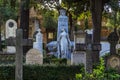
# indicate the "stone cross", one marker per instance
pixel 19 42
pixel 19 56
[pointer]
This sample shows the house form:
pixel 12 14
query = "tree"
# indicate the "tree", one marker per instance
pixel 96 11
pixel 113 15
pixel 24 17
pixel 74 9
pixel 24 20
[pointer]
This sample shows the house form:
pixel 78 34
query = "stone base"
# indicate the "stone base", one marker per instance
pixel 78 57
pixel 11 49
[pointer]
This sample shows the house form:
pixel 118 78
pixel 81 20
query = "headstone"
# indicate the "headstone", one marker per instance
pixel 78 57
pixel 79 54
pixel 113 61
pixel 38 44
pixel 11 27
pixel 34 56
pixel 113 40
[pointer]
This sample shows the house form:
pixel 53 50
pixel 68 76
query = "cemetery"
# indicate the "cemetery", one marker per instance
pixel 60 40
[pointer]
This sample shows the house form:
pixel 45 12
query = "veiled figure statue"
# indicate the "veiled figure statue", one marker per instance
pixel 64 44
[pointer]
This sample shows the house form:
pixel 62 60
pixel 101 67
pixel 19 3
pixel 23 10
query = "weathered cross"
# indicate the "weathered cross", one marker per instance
pixel 19 42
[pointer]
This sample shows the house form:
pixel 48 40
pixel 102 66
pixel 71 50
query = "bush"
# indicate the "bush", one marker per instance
pixel 37 72
pixel 99 73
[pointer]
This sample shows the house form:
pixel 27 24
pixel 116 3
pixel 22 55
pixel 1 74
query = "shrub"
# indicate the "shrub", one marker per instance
pixel 99 73
pixel 43 72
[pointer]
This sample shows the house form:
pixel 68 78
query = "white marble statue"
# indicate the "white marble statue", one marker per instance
pixel 64 44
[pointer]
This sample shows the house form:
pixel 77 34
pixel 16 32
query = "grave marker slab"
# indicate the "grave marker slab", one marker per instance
pixel 11 27
pixel 34 56
pixel 113 61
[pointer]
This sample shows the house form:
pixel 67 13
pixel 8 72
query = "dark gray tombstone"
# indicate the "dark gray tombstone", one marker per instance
pixel 89 63
pixel 113 40
pixel 79 54
pixel 82 50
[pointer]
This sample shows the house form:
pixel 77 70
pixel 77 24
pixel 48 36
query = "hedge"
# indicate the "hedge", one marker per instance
pixel 37 72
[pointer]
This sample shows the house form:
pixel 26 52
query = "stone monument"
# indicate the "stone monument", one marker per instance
pixel 63 51
pixel 113 60
pixel 113 40
pixel 34 56
pixel 11 27
pixel 38 44
pixel 79 54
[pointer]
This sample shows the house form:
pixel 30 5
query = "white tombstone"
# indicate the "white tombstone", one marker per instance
pixel 39 41
pixel 11 27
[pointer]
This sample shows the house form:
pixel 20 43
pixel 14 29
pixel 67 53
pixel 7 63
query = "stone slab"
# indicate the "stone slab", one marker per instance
pixel 34 56
pixel 78 58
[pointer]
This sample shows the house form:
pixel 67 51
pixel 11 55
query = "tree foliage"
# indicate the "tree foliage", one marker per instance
pixel 113 13
pixel 49 20
pixel 8 10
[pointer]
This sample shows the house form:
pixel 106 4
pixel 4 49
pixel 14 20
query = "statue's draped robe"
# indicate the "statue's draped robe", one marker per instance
pixel 64 45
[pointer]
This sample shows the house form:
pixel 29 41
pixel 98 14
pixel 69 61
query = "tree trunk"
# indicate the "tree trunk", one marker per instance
pixel 0 38
pixel 24 18
pixel 71 27
pixel 24 21
pixel 96 10
pixel 12 3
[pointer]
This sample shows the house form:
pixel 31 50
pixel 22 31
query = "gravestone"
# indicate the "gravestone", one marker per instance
pixel 82 50
pixel 113 40
pixel 78 57
pixel 113 61
pixel 79 54
pixel 34 56
pixel 38 44
pixel 11 27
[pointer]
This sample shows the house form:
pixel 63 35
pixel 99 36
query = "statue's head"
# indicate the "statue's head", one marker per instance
pixel 62 12
pixel 39 30
pixel 63 29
